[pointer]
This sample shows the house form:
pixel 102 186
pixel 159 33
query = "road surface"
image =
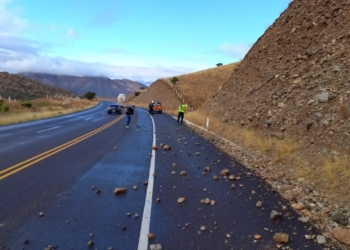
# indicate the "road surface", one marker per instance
pixel 57 179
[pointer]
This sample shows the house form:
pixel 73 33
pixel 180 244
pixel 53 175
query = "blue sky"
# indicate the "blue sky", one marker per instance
pixel 140 40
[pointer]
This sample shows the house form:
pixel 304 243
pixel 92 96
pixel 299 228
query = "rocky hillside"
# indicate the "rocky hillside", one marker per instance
pixel 102 86
pixel 295 81
pixel 21 87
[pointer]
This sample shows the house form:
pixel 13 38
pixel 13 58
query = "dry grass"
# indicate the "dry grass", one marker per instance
pixel 42 108
pixel 279 149
pixel 197 87
pixel 337 171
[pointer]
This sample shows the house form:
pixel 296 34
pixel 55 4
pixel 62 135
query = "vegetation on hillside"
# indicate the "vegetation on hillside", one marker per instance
pixel 18 87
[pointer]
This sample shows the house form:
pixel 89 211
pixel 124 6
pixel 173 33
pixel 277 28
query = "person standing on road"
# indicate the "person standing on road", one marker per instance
pixel 128 113
pixel 150 108
pixel 181 115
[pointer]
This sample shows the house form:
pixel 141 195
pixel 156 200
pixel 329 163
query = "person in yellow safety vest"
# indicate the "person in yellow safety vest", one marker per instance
pixel 181 115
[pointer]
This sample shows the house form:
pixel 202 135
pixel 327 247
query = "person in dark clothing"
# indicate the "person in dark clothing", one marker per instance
pixel 150 108
pixel 128 113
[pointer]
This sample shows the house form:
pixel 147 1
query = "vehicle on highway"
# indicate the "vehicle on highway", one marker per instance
pixel 114 109
pixel 157 107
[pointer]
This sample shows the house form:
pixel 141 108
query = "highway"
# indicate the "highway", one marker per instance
pixel 58 176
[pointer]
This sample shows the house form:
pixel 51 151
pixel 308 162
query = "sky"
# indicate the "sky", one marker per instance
pixel 141 40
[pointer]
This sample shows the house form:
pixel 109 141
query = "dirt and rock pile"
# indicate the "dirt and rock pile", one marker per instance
pixel 295 81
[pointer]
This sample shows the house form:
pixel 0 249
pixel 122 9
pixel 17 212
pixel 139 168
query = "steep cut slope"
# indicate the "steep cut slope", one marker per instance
pixel 295 81
pixel 158 91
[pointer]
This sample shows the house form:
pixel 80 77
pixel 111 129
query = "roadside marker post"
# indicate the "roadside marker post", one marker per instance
pixel 207 125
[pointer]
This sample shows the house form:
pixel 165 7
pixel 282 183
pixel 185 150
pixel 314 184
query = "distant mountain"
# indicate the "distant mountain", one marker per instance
pixel 102 86
pixel 23 88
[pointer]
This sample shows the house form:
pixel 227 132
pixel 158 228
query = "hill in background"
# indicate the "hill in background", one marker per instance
pixel 102 86
pixel 21 87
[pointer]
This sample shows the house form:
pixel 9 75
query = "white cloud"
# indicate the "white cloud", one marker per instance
pixel 9 22
pixel 71 33
pixel 236 51
pixel 23 55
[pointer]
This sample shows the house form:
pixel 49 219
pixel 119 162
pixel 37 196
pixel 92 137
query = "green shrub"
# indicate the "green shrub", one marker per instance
pixel 26 104
pixel 136 93
pixel 174 80
pixel 4 108
pixel 1 102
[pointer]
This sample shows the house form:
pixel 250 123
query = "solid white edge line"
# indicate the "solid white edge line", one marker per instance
pixel 48 129
pixel 146 217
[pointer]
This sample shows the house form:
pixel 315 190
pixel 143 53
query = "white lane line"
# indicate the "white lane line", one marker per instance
pixel 48 129
pixel 146 217
pixel 88 118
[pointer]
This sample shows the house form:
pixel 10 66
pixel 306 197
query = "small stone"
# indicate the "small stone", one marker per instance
pixel 154 147
pixel 281 238
pixel 321 239
pixel 197 153
pixel 128 214
pixel 26 241
pixel 145 183
pixel 216 177
pixel 274 215
pixel 253 192
pixel 119 191
pixel 298 206
pixel 150 236
pixel 183 173
pixel 136 216
pixel 304 219
pixel 174 165
pixel 207 201
pixel 41 214
pixel 231 177
pixel 156 247
pixel 166 147
pixel 337 216
pixel 308 236
pixel 93 187
pixel 225 172
pixel 212 202
pixel 173 172
pixel 259 204
pixel 207 169
pixel 98 191
pixel 90 243
pixel 158 200
pixel 233 186
pixel 342 234
pixel 257 236
pixel 115 148
pixel 134 187
pixel 203 228
pixel 181 200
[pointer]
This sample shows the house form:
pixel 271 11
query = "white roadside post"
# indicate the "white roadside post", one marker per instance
pixel 207 123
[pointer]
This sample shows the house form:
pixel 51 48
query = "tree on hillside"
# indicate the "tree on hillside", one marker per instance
pixel 90 95
pixel 219 64
pixel 136 93
pixel 143 88
pixel 174 79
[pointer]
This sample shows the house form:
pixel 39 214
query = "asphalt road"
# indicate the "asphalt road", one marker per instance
pixel 73 186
